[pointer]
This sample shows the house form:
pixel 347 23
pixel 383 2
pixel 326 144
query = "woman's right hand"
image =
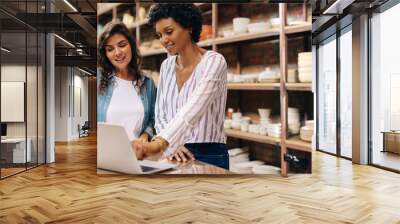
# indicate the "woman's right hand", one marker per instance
pixel 182 154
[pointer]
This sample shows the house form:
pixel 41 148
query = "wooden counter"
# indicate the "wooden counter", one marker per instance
pixel 192 167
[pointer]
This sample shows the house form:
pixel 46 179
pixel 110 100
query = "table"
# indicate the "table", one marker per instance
pixel 391 141
pixel 191 167
pixel 13 150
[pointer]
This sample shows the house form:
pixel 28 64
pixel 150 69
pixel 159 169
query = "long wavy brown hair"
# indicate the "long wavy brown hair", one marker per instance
pixel 105 65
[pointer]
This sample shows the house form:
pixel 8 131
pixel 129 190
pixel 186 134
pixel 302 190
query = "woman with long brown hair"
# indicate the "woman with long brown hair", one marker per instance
pixel 125 96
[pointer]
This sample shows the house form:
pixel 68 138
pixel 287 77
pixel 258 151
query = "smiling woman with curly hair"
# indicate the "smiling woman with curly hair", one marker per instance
pixel 191 96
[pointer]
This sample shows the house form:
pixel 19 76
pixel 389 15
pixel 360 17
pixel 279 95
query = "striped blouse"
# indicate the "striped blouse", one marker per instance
pixel 196 113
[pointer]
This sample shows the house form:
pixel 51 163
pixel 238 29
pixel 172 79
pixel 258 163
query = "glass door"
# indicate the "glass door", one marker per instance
pixel 385 89
pixel 326 59
pixel 345 59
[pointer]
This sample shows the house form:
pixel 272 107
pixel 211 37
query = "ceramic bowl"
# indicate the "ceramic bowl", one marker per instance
pixel 240 25
pixel 228 33
pixel 228 123
pixel 263 130
pixel 237 116
pixel 236 125
pixel 264 113
pixel 258 27
pixel 275 22
pixel 244 127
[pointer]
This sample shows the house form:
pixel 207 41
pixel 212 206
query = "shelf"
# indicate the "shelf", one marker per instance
pixel 238 38
pixel 252 137
pixel 247 36
pixel 299 86
pixel 254 86
pixel 160 51
pixel 298 28
pixel 154 52
pixel 137 24
pixel 297 144
pixel 205 43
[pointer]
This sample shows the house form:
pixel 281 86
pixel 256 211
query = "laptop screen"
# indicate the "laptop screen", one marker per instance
pixel 147 168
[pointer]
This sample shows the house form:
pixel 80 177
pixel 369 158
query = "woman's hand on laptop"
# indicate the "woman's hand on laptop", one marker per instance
pixel 182 154
pixel 138 148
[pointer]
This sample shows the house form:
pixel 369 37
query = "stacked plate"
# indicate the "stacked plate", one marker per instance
pixel 238 155
pixel 266 169
pixel 258 27
pixel 269 75
pixel 306 132
pixel 274 130
pixel 245 167
pixel 293 121
pixel 305 66
pixel 292 75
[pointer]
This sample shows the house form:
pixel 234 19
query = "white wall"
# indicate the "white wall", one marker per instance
pixel 71 93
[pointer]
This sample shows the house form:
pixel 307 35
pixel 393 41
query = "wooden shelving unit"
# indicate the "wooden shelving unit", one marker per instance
pixel 252 137
pixel 279 34
pixel 299 86
pixel 254 86
pixel 138 24
pixel 298 144
pixel 154 52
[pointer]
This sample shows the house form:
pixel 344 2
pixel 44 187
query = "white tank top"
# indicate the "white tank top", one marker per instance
pixel 126 108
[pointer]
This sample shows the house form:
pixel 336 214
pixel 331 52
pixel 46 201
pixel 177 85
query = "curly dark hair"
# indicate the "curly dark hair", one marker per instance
pixel 107 69
pixel 187 15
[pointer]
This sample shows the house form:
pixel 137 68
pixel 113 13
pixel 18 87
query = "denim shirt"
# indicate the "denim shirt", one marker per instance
pixel 147 95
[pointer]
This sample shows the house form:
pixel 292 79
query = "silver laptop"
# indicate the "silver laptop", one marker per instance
pixel 114 153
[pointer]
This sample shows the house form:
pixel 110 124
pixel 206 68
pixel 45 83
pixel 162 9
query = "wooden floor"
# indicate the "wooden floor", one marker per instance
pixel 387 159
pixel 69 191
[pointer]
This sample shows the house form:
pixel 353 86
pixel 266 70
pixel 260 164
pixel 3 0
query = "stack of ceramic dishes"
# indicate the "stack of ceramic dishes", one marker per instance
pixel 274 130
pixel 245 123
pixel 240 25
pixel 265 169
pixel 275 22
pixel 238 155
pixel 269 75
pixel 306 132
pixel 258 27
pixel 236 120
pixel 264 120
pixel 245 167
pixel 305 66
pixel 249 78
pixel 293 121
pixel 292 75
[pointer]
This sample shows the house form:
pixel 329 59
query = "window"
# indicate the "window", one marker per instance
pixel 346 92
pixel 385 87
pixel 327 95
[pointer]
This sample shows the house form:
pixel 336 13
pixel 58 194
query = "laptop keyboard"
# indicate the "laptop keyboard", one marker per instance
pixel 146 169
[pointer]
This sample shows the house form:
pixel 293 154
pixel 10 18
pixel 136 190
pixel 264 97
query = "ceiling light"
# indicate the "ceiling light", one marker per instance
pixel 5 50
pixel 64 40
pixel 70 5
